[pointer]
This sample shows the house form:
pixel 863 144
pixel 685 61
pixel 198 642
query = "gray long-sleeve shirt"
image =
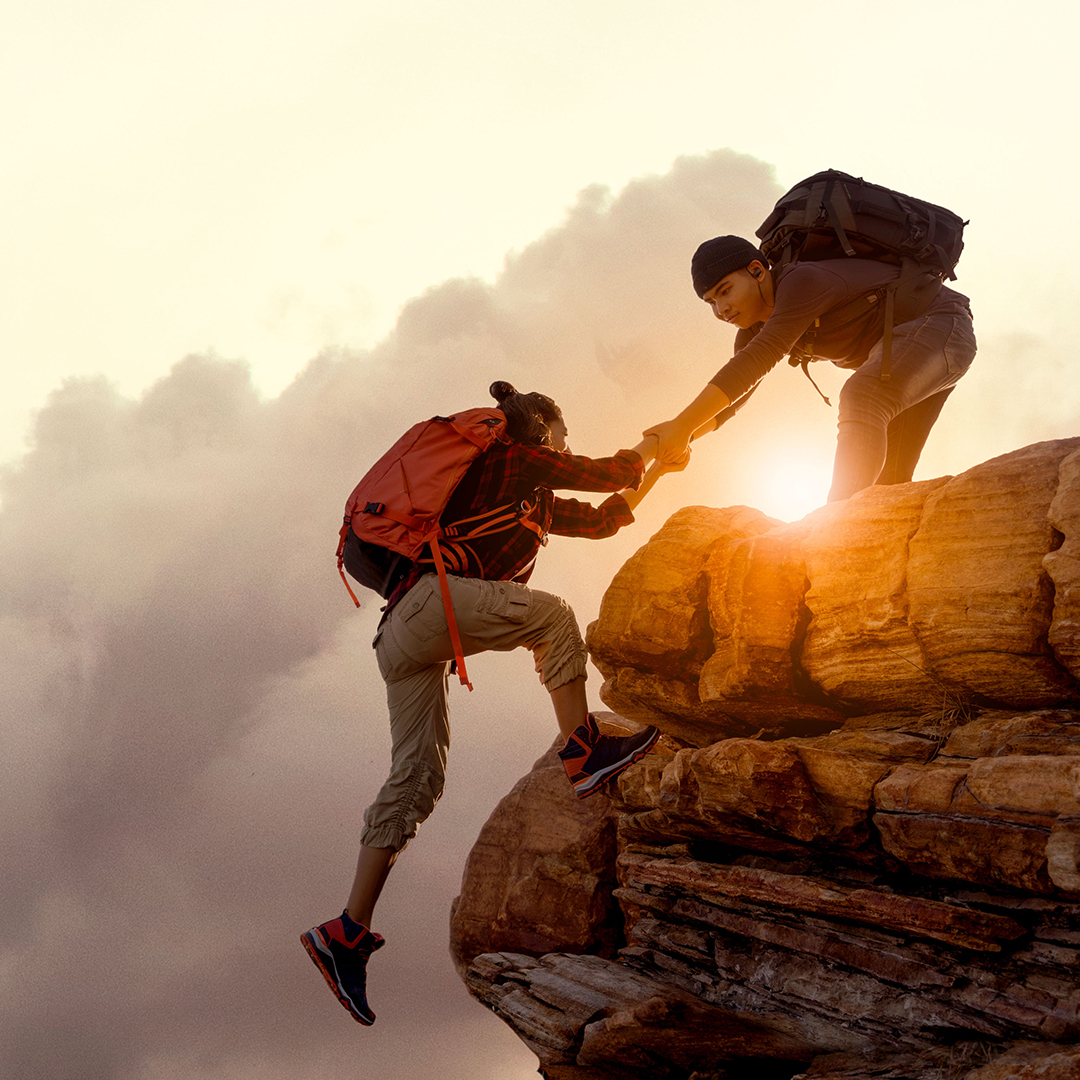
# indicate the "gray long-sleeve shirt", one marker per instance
pixel 804 292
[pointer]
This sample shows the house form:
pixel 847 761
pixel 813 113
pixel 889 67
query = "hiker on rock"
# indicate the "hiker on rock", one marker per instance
pixel 886 410
pixel 494 610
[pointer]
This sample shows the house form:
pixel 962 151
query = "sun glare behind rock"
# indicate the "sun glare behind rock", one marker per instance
pixel 793 481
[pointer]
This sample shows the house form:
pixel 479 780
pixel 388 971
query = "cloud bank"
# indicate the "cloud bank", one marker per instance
pixel 192 719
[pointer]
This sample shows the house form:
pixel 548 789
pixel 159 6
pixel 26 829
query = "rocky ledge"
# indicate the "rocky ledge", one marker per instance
pixel 855 852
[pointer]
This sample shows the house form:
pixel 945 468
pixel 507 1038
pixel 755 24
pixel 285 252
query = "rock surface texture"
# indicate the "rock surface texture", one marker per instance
pixel 855 852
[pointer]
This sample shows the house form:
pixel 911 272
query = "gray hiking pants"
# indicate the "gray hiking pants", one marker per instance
pixel 413 650
pixel 883 426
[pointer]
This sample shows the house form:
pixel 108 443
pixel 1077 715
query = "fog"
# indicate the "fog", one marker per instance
pixel 193 720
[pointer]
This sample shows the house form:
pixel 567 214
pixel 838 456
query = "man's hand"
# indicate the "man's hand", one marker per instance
pixel 674 442
pixel 695 420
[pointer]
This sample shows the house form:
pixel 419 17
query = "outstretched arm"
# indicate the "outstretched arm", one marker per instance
pixel 648 448
pixel 656 470
pixel 694 421
pixel 573 518
pixel 558 468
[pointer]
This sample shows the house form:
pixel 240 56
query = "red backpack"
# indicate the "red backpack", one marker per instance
pixel 394 511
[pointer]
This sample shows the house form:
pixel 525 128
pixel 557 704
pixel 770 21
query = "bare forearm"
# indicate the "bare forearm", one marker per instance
pixel 648 448
pixel 633 497
pixel 696 419
pixel 701 411
pixel 709 425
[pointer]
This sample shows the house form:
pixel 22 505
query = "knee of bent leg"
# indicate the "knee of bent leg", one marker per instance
pixel 560 652
pixel 866 399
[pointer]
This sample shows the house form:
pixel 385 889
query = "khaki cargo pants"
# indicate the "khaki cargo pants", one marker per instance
pixel 414 653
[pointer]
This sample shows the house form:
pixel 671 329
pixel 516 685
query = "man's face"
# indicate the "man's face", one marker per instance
pixel 738 298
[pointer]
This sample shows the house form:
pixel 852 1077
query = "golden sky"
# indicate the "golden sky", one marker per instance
pixel 264 180
pixel 246 244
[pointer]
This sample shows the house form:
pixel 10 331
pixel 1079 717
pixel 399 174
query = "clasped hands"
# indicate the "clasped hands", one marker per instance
pixel 673 445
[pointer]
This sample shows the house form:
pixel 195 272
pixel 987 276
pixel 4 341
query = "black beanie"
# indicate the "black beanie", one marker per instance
pixel 718 257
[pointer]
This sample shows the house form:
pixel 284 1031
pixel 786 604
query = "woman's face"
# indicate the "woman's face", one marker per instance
pixel 558 434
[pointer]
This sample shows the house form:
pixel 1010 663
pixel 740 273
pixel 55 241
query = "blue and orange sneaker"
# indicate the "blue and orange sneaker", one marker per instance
pixel 341 949
pixel 591 759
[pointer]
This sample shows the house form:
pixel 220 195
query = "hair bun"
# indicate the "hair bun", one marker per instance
pixel 500 391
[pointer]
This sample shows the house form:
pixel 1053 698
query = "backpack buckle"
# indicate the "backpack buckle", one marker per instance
pixel 374 508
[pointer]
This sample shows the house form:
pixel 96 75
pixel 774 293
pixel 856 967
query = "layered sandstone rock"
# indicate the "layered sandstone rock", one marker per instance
pixel 856 850
pixel 541 873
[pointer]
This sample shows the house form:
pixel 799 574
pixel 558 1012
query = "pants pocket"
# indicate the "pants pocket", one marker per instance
pixel 420 611
pixel 505 599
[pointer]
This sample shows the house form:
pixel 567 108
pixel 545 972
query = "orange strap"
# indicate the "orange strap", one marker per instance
pixel 341 571
pixel 491 524
pixel 451 622
pixel 341 560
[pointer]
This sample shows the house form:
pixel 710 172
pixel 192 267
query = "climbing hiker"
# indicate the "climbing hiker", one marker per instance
pixel 494 609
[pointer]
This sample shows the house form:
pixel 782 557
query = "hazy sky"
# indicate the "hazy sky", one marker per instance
pixel 247 244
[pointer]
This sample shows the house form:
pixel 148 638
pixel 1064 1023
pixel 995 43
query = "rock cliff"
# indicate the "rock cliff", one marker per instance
pixel 855 851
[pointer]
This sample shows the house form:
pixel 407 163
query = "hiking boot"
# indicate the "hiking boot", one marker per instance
pixel 591 759
pixel 341 949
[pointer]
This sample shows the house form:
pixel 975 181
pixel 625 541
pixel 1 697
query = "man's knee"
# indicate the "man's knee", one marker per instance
pixel 868 399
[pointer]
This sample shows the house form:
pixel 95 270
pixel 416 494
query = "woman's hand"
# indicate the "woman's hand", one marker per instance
pixel 662 466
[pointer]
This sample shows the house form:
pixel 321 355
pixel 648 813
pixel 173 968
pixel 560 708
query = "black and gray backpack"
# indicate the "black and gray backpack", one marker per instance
pixel 832 215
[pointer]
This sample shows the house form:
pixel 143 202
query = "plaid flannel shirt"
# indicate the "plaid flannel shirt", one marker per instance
pixel 523 476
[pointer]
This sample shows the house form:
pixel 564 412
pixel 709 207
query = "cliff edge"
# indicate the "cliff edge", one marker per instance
pixel 855 852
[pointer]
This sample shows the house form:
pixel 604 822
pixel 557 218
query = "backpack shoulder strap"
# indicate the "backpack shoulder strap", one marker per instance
pixel 451 620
